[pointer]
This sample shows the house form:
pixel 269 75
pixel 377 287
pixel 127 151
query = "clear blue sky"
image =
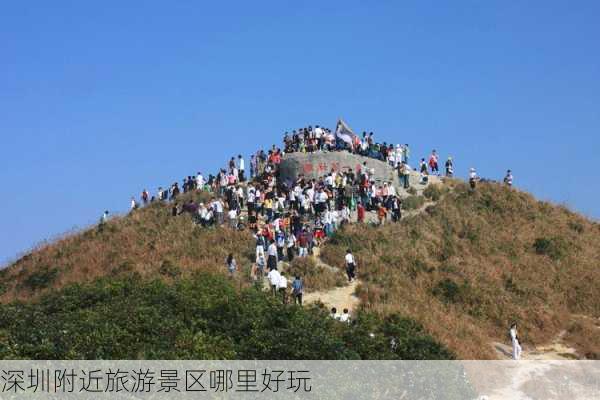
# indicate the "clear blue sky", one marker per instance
pixel 100 99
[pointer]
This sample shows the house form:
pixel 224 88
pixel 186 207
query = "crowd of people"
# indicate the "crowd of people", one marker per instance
pixel 290 219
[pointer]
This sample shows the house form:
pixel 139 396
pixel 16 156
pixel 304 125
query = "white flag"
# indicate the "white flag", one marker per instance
pixel 344 133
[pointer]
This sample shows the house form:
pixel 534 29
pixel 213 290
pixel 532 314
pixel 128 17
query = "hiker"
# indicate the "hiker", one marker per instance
pixel 360 211
pixel 281 242
pixel 345 317
pixel 231 264
pixel 291 246
pixel 273 277
pixel 381 214
pixel 433 163
pixel 133 205
pixel 473 178
pixel 350 265
pixel 145 197
pixel 396 209
pixel 405 153
pixel 334 314
pixel 282 287
pixel 241 168
pixel 508 179
pixel 404 174
pixel 233 221
pixel 297 290
pixel 449 168
pixel 104 218
pixel 516 343
pixel 272 255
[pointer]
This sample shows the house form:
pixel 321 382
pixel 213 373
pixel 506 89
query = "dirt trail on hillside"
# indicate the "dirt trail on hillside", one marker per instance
pixel 556 350
pixel 345 297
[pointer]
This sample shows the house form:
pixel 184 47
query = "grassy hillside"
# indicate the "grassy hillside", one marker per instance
pixel 148 241
pixel 476 261
pixel 463 270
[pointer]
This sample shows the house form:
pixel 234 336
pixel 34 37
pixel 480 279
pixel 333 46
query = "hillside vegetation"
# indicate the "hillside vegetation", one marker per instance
pixel 456 274
pixel 148 241
pixel 475 262
pixel 204 316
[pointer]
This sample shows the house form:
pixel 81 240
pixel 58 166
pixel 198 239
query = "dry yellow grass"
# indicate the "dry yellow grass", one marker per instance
pixel 148 241
pixel 477 261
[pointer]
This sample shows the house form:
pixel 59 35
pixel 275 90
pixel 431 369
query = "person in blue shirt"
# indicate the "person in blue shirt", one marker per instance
pixel 297 290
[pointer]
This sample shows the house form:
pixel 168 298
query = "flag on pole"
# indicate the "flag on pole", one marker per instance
pixel 344 133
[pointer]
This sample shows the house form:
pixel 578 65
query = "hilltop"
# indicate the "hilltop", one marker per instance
pixel 452 275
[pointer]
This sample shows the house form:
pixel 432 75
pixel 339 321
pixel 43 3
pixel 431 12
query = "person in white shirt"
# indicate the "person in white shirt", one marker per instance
pixel 282 285
pixel 272 255
pixel 273 276
pixel 133 205
pixel 334 314
pixel 473 178
pixel 516 345
pixel 232 215
pixel 350 265
pixel 291 246
pixel 200 181
pixel 391 190
pixel 345 317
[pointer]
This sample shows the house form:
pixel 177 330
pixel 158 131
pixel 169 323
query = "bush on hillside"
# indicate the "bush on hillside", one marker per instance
pixel 413 202
pixel 315 277
pixel 433 192
pixel 41 278
pixel 202 317
pixel 555 248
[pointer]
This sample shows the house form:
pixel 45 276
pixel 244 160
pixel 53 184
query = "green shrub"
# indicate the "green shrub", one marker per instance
pixel 40 279
pixel 433 192
pixel 555 248
pixel 168 268
pixel 447 291
pixel 413 202
pixel 201 317
pixel 576 226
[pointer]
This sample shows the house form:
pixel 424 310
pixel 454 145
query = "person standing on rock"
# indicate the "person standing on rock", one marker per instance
pixel 516 345
pixel 241 168
pixel 433 163
pixel 405 153
pixel 449 168
pixel 350 265
pixel 404 174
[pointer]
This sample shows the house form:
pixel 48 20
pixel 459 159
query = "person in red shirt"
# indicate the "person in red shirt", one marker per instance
pixel 361 213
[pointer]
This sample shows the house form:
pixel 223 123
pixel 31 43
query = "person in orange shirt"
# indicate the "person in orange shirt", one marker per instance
pixel 381 214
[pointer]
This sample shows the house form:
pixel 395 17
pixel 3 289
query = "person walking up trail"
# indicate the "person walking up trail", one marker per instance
pixel 297 290
pixel 350 265
pixel 516 345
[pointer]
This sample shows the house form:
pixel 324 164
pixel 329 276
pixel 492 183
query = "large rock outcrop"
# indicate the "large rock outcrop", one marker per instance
pixel 316 165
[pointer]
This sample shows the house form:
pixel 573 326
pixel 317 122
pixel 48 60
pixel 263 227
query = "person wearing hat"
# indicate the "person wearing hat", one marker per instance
pixel 449 168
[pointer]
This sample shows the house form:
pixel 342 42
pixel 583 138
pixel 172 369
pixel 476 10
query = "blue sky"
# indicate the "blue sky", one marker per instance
pixel 99 100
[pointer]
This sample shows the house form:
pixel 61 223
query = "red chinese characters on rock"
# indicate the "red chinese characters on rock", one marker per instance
pixel 307 168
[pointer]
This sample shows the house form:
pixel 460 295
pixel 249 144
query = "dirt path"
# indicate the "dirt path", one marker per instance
pixel 339 298
pixel 556 350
